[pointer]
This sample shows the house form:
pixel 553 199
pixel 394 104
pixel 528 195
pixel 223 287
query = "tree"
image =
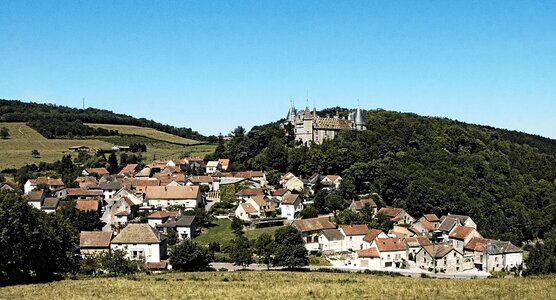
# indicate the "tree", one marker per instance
pixel 202 217
pixel 290 249
pixel 81 220
pixel 36 232
pixel 35 153
pixel 264 248
pixel 4 133
pixel 117 263
pixel 173 237
pixel 113 166
pixel 241 252
pixel 309 212
pixel 188 256
pixel 219 151
pixel 237 225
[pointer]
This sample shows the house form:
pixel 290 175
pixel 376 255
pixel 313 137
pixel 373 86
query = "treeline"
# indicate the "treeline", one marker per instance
pixel 52 127
pixel 17 111
pixel 504 180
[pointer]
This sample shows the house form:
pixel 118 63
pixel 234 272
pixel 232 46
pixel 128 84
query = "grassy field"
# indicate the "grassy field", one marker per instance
pixel 145 131
pixel 16 151
pixel 283 285
pixel 222 233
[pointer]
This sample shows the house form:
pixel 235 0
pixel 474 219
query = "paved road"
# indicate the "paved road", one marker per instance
pixel 411 273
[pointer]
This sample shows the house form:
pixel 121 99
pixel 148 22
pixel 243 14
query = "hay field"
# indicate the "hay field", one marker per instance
pixel 283 285
pixel 16 151
pixel 146 132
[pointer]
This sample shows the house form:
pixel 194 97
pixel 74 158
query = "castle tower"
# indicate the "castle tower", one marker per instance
pixel 359 121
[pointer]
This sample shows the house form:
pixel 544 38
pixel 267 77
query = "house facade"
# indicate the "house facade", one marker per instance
pixel 141 242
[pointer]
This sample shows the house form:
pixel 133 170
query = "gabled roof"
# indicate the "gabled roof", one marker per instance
pixel 250 192
pixel 332 234
pixel 224 161
pixel 426 224
pixel 440 250
pixel 351 230
pixel 245 174
pixel 359 204
pixel 372 235
pixel 494 247
pixel 290 199
pixel 50 203
pixel 35 195
pixel 172 192
pixel 447 224
pixel 200 179
pixel 461 232
pixel 431 218
pixel 181 221
pixel 95 239
pixel 332 178
pixel 418 241
pixel 391 212
pixel 138 234
pixel 314 224
pixel 161 214
pixel 213 164
pixel 99 171
pixel 79 192
pixel 475 244
pixel 259 200
pixel 128 170
pixel 279 192
pixel 47 181
pixel 248 208
pixel 87 205
pixel 368 253
pixel 122 214
pixel 390 244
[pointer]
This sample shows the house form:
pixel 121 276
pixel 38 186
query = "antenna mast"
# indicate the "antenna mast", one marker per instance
pixel 83 102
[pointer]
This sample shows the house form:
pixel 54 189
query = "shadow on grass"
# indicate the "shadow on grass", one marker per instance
pixel 33 280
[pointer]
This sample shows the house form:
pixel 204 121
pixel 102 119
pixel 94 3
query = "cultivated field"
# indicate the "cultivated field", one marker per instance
pixel 144 131
pixel 16 151
pixel 283 285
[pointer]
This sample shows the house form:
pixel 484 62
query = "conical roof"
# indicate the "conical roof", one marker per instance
pixel 359 120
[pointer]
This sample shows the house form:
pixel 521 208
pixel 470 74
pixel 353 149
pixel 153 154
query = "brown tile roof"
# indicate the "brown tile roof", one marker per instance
pixel 355 229
pixel 86 182
pixel 332 178
pixel 290 198
pixel 122 214
pixel 48 181
pixel 35 195
pixel 146 182
pixel 368 253
pixel 248 208
pixel 161 214
pixel 390 244
pixel 332 123
pixel 224 161
pixel 138 234
pixel 162 265
pixel 461 232
pixel 279 192
pixel 250 192
pixel 128 170
pixel 200 179
pixel 79 192
pixel 438 251
pixel 245 174
pixel 99 171
pixel 431 218
pixel 314 224
pixel 418 241
pixel 87 205
pixel 476 244
pixel 402 232
pixel 359 204
pixel 391 212
pixel 50 203
pixel 95 239
pixel 171 192
pixel 426 224
pixel 259 200
pixel 372 235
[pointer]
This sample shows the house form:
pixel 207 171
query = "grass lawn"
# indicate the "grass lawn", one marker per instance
pixel 222 233
pixel 144 131
pixel 283 285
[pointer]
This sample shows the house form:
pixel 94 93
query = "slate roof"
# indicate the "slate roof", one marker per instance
pixel 138 234
pixel 314 224
pixel 182 221
pixel 448 224
pixel 95 239
pixel 494 247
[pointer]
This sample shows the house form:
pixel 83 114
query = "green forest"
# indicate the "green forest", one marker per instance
pixel 54 121
pixel 504 180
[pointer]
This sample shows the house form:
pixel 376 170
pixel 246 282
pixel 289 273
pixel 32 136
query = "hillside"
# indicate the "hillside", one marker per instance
pixel 285 285
pixel 55 121
pixel 504 180
pixel 16 151
pixel 146 132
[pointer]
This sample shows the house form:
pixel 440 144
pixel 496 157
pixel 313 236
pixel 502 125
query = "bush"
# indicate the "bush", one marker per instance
pixel 188 256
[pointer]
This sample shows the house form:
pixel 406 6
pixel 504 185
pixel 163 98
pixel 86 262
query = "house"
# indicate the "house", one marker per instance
pixel 224 164
pixel 414 245
pixel 455 220
pixel 368 258
pixel 129 170
pixel 279 193
pixel 433 219
pixel 354 235
pixel 331 181
pixel 109 186
pixel 50 183
pixel 163 196
pixel 88 205
pixel 310 230
pixel 141 242
pixel 213 166
pixel 358 205
pixel 79 193
pixel 92 242
pixel 423 226
pixel 331 241
pixel 401 232
pixel 50 204
pixel 184 226
pixel 291 204
pixel 247 212
pixel 494 255
pixel 392 251
pixel 293 184
pixel 255 179
pixel 36 198
pixel 370 237
pixel 461 235
pixel 200 181
pixel 246 194
pixel 123 209
pixel 5 186
pixel 95 171
pixel 87 182
pixel 442 258
pixel 397 215
pixel 160 216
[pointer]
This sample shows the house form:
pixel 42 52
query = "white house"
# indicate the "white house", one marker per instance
pixel 370 237
pixel 291 204
pixel 294 184
pixel 163 196
pixel 35 198
pixel 50 183
pixel 461 235
pixel 332 241
pixel 50 205
pixel 331 181
pixel 213 167
pixel 368 258
pixel 354 235
pixel 109 186
pixel 397 215
pixel 493 255
pixel 160 216
pixel 440 258
pixel 184 226
pixel 392 252
pixel 141 242
pixel 247 212
pixel 310 230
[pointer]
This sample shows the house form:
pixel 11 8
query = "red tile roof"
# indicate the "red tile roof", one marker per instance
pixel 461 232
pixel 95 239
pixel 87 205
pixel 250 192
pixel 368 253
pixel 431 218
pixel 426 224
pixel 355 229
pixel 314 224
pixel 372 235
pixel 476 244
pixel 391 212
pixel 290 198
pixel 390 244
pixel 161 214
pixel 99 171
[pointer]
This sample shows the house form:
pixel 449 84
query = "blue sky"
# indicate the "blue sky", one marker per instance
pixel 213 65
